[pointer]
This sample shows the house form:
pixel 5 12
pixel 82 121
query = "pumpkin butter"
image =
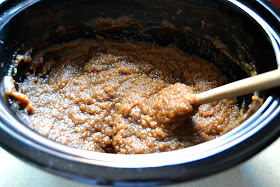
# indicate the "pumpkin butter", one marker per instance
pixel 123 97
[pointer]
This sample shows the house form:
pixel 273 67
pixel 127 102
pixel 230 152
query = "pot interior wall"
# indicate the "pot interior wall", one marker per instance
pixel 195 27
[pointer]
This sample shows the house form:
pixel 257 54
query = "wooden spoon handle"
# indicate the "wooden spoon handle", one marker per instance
pixel 242 87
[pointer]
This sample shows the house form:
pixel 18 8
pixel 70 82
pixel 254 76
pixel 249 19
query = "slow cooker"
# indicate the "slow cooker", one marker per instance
pixel 249 29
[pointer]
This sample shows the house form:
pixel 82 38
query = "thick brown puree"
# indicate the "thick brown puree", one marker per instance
pixel 123 97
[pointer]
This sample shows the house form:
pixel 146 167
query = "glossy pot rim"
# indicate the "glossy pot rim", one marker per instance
pixel 138 164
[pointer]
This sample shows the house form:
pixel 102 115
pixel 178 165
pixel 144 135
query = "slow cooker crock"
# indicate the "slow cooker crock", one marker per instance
pixel 249 29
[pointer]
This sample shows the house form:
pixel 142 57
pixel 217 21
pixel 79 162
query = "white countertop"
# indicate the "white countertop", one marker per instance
pixel 261 170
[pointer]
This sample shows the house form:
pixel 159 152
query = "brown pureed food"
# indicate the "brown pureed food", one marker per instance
pixel 123 97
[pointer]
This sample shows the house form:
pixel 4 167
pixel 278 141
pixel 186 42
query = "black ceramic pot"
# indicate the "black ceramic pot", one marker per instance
pixel 249 30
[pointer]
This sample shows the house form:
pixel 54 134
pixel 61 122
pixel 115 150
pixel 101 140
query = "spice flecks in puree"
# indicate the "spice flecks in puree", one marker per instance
pixel 123 97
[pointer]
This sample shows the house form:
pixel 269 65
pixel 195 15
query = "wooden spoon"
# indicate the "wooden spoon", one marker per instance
pixel 176 101
pixel 242 87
